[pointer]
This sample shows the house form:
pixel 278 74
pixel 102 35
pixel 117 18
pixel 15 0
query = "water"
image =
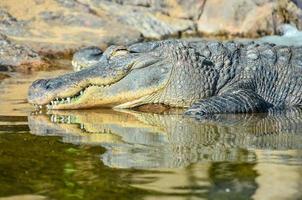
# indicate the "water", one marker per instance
pixel 106 154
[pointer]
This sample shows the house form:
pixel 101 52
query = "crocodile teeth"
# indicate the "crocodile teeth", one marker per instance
pixel 62 119
pixel 58 101
pixel 53 118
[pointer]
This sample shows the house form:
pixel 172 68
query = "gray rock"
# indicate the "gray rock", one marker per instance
pixel 15 57
pixel 290 36
pixel 249 18
pixel 153 19
pixel 63 26
pixel 298 3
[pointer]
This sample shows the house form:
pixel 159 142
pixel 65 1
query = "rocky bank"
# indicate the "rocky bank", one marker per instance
pixel 33 30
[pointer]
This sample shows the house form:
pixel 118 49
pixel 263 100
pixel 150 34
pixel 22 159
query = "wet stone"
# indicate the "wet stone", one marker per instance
pixel 249 18
pixel 58 27
pixel 15 57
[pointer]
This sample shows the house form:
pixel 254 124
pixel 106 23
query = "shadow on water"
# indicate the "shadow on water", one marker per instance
pixel 106 154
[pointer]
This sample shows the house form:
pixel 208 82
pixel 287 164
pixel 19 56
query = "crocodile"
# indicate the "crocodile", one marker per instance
pixel 288 35
pixel 204 77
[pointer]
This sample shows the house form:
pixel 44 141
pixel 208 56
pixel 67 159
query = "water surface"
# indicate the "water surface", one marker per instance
pixel 106 154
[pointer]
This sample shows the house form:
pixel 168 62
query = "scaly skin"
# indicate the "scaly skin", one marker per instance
pixel 206 77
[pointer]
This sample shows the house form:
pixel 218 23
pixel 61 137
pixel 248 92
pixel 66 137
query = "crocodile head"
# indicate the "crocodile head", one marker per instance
pixel 125 77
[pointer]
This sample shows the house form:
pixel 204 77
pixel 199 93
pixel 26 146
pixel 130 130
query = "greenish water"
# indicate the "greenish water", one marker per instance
pixel 106 154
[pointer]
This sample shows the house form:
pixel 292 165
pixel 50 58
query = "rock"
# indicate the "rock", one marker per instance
pixel 3 76
pixel 9 24
pixel 249 18
pixel 61 27
pixel 298 3
pixel 153 19
pixel 15 57
pixel 189 9
pixel 290 36
pixel 289 30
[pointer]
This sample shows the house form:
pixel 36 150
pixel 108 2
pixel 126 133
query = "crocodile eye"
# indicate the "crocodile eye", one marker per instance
pixel 119 52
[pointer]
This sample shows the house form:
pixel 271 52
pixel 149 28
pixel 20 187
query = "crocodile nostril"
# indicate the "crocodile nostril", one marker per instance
pixel 47 84
pixel 38 82
pixel 52 84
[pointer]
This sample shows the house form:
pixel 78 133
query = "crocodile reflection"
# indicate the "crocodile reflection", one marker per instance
pixel 135 139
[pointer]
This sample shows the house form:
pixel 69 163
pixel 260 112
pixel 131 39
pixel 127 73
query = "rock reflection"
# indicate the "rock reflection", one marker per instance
pixel 147 140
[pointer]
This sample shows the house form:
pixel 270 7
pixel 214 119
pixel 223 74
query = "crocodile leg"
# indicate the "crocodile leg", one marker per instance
pixel 234 101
